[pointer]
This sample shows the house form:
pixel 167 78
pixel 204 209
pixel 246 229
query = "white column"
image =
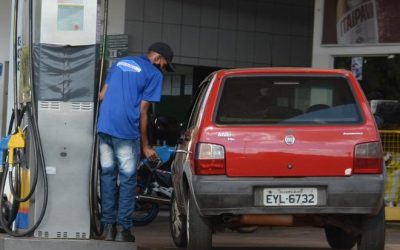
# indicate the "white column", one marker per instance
pixel 116 17
pixel 5 22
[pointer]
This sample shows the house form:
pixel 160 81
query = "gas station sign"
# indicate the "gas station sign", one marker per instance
pixel 360 22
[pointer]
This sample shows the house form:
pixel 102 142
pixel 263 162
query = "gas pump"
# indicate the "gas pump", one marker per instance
pixel 64 56
pixel 13 145
pixel 56 131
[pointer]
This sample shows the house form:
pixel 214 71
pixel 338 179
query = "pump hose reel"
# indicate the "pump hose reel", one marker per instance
pixel 94 200
pixel 13 154
pixel 13 145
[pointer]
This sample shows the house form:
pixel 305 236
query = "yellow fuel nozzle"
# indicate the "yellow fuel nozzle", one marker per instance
pixel 17 141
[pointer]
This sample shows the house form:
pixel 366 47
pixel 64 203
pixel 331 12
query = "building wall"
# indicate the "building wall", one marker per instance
pixel 5 22
pixel 116 17
pixel 224 33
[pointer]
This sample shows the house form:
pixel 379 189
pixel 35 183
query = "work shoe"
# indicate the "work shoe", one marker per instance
pixel 108 232
pixel 124 235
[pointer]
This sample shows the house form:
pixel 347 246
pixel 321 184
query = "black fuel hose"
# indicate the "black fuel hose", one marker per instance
pixel 15 57
pixel 31 109
pixel 13 209
pixel 94 201
pixel 19 119
pixel 39 161
pixel 16 193
pixel 13 121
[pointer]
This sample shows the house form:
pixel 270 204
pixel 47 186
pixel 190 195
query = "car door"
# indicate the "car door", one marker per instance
pixel 183 148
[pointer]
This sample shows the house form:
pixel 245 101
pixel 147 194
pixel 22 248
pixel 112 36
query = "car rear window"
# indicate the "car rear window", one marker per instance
pixel 287 100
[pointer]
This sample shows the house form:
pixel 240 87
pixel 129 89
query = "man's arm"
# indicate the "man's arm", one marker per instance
pixel 148 151
pixel 103 91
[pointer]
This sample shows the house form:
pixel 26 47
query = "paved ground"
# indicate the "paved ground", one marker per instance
pixel 157 236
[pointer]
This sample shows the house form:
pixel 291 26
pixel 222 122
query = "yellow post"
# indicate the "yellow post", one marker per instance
pixel 392 213
pixel 22 220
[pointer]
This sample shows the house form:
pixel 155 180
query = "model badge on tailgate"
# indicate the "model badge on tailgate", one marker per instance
pixel 289 139
pixel 224 134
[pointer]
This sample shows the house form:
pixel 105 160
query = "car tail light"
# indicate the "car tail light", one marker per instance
pixel 209 159
pixel 368 158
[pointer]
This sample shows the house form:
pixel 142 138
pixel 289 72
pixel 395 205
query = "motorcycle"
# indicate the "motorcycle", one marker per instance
pixel 154 186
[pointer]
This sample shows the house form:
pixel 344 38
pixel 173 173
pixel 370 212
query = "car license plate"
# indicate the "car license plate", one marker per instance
pixel 290 196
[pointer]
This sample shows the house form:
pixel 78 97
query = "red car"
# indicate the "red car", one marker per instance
pixel 280 147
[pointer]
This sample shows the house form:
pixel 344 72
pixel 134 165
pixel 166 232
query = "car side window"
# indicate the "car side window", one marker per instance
pixel 197 101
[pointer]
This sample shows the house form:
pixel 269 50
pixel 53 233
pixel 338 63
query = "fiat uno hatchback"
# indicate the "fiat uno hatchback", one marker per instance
pixel 280 147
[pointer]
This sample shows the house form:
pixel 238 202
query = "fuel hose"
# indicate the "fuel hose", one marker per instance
pixel 31 111
pixel 94 201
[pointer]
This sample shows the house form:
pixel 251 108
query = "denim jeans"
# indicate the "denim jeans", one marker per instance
pixel 118 157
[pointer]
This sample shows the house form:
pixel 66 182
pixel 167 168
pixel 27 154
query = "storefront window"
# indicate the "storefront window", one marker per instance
pixel 379 76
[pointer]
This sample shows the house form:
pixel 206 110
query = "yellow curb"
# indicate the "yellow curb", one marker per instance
pixel 392 213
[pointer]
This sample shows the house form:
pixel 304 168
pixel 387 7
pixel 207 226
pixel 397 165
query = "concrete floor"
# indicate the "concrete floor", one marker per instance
pixel 157 236
pixel 11 243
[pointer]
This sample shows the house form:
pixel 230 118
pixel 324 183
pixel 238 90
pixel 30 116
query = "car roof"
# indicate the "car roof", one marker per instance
pixel 282 70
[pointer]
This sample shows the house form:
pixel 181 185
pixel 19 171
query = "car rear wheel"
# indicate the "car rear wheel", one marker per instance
pixel 199 235
pixel 177 224
pixel 339 239
pixel 373 232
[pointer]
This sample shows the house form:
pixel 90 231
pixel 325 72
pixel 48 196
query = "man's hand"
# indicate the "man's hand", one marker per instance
pixel 150 153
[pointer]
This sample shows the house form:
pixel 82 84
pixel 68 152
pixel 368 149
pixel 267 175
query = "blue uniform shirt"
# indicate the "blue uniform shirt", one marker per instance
pixel 130 80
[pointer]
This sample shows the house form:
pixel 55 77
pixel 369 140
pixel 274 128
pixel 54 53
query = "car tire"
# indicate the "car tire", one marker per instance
pixel 339 239
pixel 373 232
pixel 177 223
pixel 199 234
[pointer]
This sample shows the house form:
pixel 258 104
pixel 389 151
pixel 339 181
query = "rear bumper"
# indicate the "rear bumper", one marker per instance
pixel 358 194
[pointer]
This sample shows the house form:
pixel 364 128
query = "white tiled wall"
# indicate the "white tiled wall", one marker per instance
pixel 224 33
pixel 5 22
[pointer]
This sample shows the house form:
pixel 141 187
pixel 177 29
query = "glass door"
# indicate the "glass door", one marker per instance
pixel 379 76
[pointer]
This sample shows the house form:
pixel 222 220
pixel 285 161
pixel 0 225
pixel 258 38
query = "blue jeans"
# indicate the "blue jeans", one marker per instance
pixel 118 157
